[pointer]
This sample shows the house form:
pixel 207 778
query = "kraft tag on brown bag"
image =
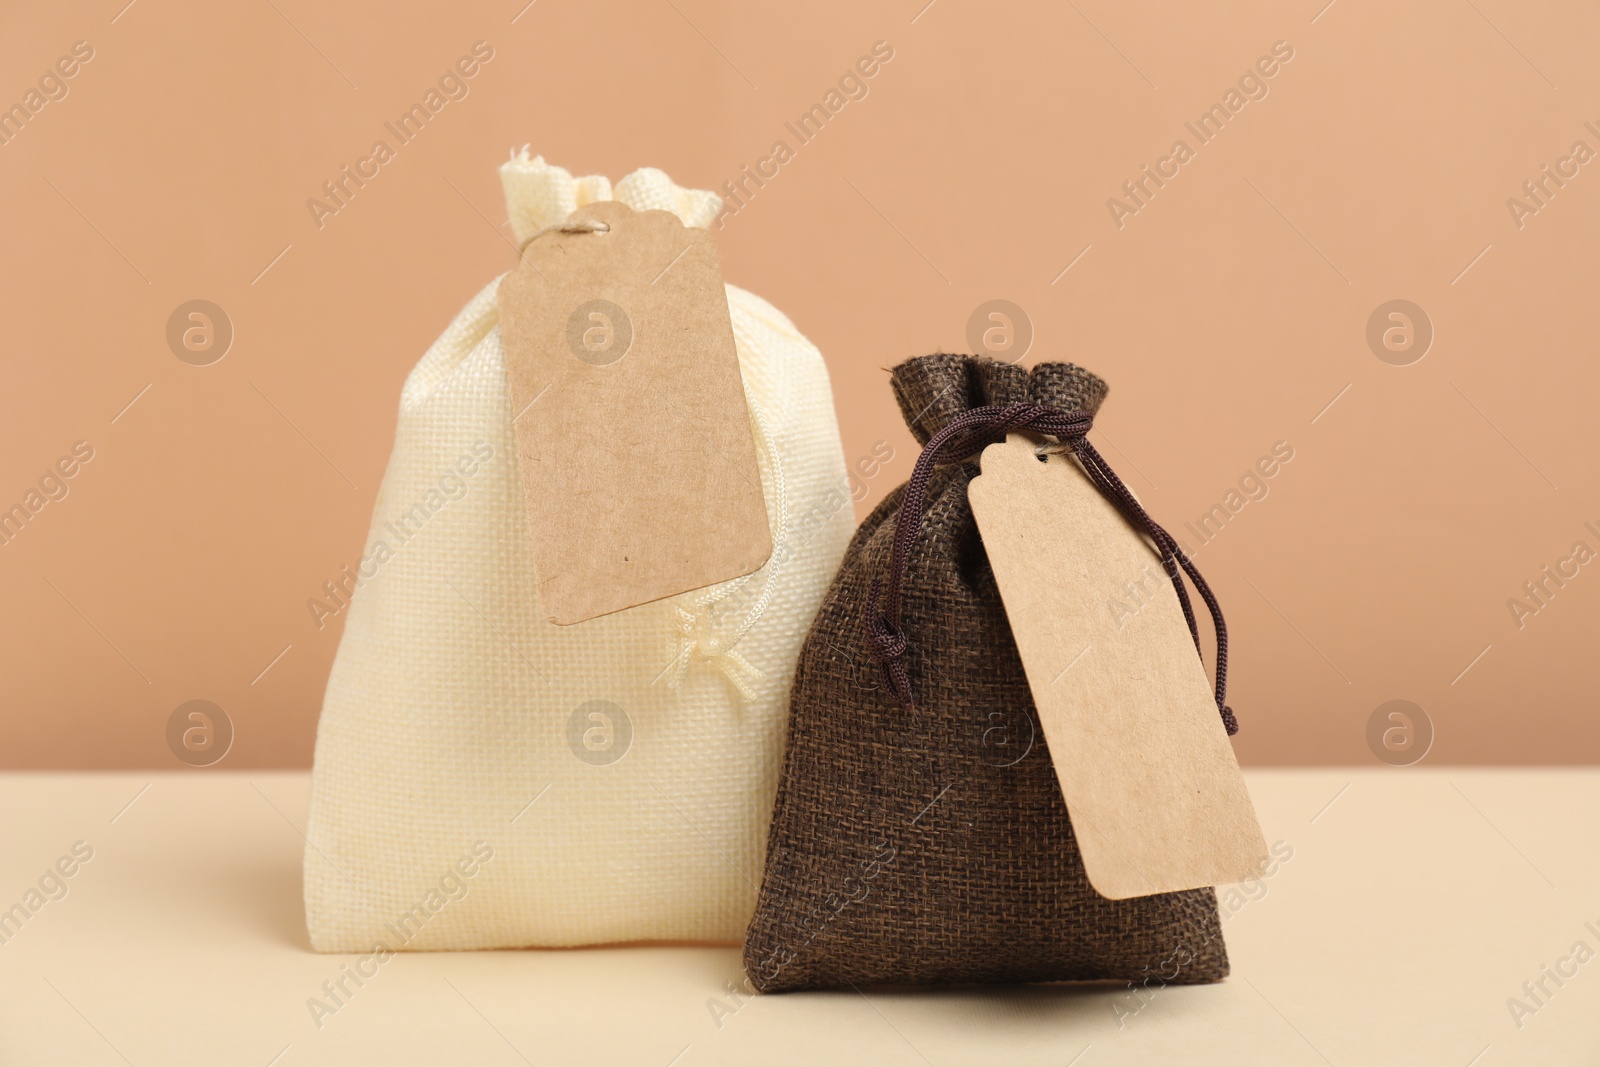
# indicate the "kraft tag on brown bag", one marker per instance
pixel 1154 791
pixel 638 461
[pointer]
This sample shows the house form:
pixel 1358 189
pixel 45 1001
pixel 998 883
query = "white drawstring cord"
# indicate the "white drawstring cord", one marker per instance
pixel 718 651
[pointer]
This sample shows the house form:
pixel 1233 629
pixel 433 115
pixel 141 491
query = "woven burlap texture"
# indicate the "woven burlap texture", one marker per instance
pixel 447 719
pixel 924 847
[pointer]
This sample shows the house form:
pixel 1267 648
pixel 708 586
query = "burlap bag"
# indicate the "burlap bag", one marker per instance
pixel 486 779
pixel 934 846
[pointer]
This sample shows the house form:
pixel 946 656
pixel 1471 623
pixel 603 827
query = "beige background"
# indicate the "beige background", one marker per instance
pixel 1375 941
pixel 1227 314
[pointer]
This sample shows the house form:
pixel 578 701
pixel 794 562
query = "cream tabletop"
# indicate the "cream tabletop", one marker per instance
pixel 1421 916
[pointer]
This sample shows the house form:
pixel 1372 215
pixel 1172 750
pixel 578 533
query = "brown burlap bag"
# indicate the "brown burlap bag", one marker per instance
pixel 932 845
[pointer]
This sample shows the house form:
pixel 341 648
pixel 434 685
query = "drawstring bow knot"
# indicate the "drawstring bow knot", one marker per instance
pixel 964 437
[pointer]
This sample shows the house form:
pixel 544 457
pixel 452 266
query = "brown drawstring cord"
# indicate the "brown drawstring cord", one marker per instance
pixel 965 436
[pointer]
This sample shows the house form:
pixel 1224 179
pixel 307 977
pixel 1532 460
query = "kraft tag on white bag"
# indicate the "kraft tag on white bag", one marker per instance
pixel 637 454
pixel 1154 791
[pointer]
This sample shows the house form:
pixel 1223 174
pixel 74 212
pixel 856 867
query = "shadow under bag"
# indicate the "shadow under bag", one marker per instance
pixel 933 845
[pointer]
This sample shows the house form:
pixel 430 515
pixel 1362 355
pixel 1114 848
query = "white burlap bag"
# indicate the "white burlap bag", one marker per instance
pixel 486 779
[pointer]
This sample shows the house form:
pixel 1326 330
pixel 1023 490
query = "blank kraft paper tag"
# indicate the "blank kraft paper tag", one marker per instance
pixel 638 462
pixel 1156 797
